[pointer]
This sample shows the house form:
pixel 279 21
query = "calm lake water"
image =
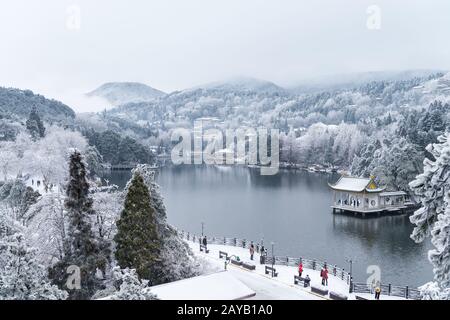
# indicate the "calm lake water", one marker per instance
pixel 292 209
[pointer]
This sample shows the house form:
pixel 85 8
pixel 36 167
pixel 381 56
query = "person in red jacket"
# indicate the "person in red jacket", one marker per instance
pixel 300 269
pixel 325 276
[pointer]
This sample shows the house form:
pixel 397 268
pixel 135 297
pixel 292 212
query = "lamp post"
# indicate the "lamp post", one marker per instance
pixel 273 256
pixel 351 267
pixel 350 261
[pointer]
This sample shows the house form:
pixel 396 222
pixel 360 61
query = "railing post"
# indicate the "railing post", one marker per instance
pixel 406 293
pixel 334 270
pixel 389 289
pixel 287 260
pixel 235 242
pixel 342 274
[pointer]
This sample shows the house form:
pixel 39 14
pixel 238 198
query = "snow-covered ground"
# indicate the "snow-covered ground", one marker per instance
pixel 281 287
pixel 220 285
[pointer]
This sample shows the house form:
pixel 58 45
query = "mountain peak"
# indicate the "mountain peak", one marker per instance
pixel 242 83
pixel 118 93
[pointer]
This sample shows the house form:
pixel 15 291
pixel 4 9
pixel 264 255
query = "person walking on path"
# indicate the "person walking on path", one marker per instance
pixel 300 269
pixel 321 275
pixel 252 251
pixel 205 242
pixel 377 292
pixel 325 276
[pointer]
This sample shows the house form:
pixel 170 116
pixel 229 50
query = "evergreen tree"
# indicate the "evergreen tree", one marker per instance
pixel 433 218
pixel 175 260
pixel 82 248
pixel 34 125
pixel 137 245
pixel 21 276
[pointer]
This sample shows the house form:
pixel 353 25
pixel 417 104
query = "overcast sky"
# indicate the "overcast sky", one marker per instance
pixel 175 44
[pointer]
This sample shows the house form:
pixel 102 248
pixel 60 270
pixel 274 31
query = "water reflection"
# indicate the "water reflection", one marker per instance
pixel 292 209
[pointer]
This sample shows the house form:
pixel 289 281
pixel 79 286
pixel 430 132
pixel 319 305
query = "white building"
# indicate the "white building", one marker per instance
pixel 362 195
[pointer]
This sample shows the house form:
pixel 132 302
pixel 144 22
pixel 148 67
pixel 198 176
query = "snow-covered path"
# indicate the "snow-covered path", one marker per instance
pixel 281 287
pixel 266 287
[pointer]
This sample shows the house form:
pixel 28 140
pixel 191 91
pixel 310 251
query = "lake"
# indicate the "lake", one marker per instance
pixel 292 209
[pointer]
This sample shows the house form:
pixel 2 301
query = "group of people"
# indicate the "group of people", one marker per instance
pixel 323 274
pixel 261 250
pixel 307 279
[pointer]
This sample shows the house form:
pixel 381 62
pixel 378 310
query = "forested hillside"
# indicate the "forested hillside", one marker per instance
pixel 379 128
pixel 15 102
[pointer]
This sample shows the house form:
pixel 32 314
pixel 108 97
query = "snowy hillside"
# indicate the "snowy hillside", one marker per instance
pixel 255 102
pixel 18 103
pixel 118 93
pixel 352 80
pixel 243 84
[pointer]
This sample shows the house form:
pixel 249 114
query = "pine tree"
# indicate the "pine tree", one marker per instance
pixel 137 245
pixel 82 248
pixel 34 125
pixel 176 260
pixel 21 276
pixel 433 218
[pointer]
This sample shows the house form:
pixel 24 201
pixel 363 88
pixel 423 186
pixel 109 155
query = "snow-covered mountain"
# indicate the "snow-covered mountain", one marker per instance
pixel 436 86
pixel 243 84
pixel 352 80
pixel 18 103
pixel 118 93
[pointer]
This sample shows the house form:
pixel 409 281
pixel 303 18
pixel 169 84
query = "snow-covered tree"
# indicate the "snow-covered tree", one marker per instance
pixel 8 158
pixel 93 160
pixel 21 276
pixel 176 260
pixel 137 244
pixel 34 125
pixel 81 248
pixel 433 218
pixel 46 222
pixel 47 158
pixel 130 287
pixel 108 204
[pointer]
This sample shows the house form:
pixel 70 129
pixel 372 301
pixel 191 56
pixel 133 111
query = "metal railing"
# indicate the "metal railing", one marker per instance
pixel 313 264
pixel 387 289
